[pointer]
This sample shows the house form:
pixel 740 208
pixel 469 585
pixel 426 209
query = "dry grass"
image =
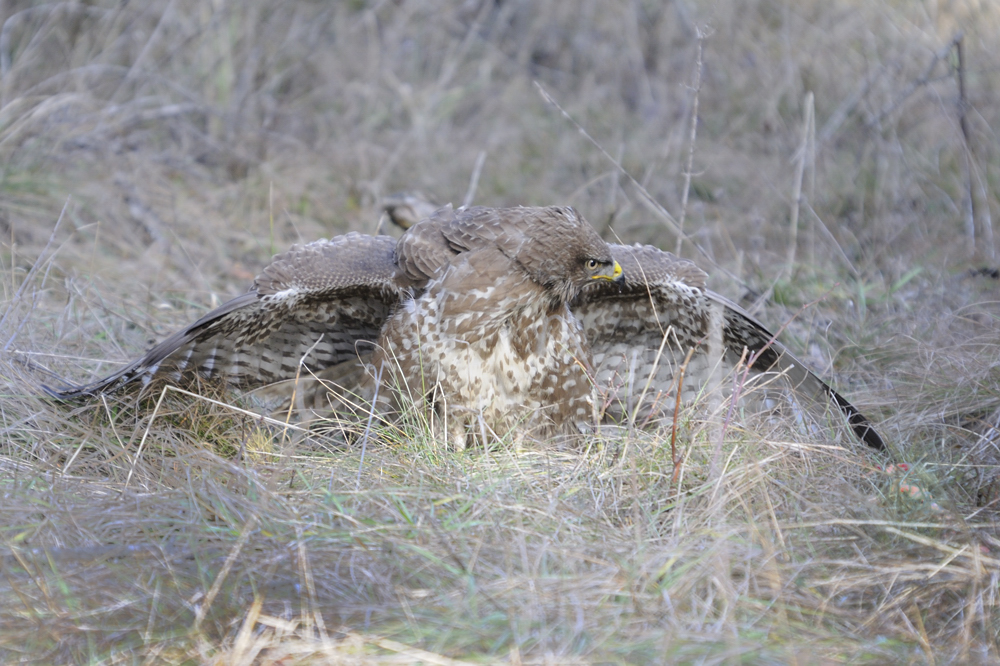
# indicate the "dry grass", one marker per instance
pixel 179 144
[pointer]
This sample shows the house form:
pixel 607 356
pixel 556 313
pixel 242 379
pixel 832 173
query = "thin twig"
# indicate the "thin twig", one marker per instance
pixel 368 427
pixel 470 193
pixel 314 615
pixel 800 169
pixel 737 389
pixel 677 411
pixel 645 197
pixel 840 250
pixel 295 386
pixel 974 214
pixel 914 86
pixel 31 273
pixel 142 442
pixel 652 374
pixel 716 352
pixel 847 107
pixel 691 141
pixel 757 354
pixel 970 209
pixel 245 533
pixel 175 389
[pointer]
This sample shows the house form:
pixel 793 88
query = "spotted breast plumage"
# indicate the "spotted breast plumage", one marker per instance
pixel 493 319
pixel 491 342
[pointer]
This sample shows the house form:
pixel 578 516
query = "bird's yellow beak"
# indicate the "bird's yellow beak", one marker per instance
pixel 615 276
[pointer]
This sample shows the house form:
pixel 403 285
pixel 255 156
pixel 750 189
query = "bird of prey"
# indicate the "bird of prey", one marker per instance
pixel 491 318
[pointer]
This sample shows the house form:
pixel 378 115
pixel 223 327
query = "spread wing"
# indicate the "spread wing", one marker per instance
pixel 639 337
pixel 322 304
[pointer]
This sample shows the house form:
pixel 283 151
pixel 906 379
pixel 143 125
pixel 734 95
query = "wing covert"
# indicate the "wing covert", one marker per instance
pixel 321 303
pixel 665 297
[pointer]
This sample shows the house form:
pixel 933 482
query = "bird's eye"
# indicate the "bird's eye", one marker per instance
pixel 592 264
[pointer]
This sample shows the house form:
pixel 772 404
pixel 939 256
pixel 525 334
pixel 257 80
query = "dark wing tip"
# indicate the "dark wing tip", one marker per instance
pixel 743 330
pixel 65 393
pixel 69 391
pixel 860 424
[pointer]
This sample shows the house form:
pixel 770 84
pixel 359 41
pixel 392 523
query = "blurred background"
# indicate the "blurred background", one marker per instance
pixel 193 139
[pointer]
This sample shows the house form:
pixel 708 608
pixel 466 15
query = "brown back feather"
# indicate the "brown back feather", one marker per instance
pixel 542 241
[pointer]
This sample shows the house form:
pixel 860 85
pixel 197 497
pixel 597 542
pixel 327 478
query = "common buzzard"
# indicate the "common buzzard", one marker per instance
pixel 494 318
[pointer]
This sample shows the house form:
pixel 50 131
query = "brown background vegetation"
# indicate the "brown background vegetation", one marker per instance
pixel 179 144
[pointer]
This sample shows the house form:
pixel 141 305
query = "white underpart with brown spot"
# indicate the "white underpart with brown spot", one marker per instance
pixel 503 358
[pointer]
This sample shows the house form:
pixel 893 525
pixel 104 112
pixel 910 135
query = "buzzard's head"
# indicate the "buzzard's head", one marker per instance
pixel 564 254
